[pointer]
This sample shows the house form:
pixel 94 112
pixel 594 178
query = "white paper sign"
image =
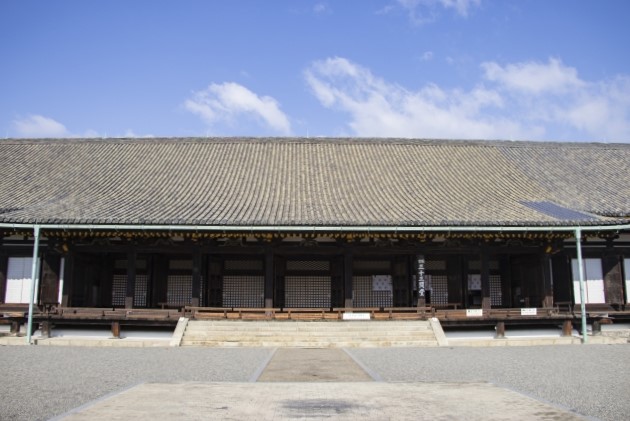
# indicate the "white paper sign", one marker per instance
pixel 381 283
pixel 474 282
pixel 528 312
pixel 474 312
pixel 356 316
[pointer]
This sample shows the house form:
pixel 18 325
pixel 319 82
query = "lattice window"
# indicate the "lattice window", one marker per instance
pixel 308 265
pixel 244 265
pixel 363 294
pixel 439 289
pixel 307 291
pixel 435 265
pixel 380 266
pixel 243 291
pixel 179 290
pixel 119 290
pixel 141 289
pixel 496 298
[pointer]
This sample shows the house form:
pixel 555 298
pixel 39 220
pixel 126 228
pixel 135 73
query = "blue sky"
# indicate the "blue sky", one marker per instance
pixel 469 69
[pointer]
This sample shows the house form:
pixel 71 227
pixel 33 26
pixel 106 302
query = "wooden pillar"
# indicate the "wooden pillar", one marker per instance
pixel 547 284
pixel 196 278
pixel 49 284
pixel 45 329
pixel 500 330
pixel 131 279
pixel 567 328
pixel 486 303
pixel 116 329
pixel 613 281
pixel 506 281
pixel 68 280
pixel 454 274
pixel 15 326
pixel 159 279
pixel 269 275
pixel 348 260
pixel 4 261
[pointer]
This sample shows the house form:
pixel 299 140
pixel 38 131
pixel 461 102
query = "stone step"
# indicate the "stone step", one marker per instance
pixel 318 329
pixel 331 338
pixel 306 326
pixel 313 344
pixel 317 334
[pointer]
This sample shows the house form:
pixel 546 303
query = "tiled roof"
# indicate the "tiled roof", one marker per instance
pixel 324 182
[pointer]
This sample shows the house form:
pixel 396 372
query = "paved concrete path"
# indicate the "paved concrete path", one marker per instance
pixel 318 401
pixel 312 365
pixel 317 384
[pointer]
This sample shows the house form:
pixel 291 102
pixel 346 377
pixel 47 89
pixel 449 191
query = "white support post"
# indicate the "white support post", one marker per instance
pixel 578 246
pixel 34 282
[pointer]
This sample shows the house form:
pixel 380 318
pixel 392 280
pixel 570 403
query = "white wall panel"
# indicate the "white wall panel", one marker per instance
pixel 626 270
pixel 594 285
pixel 18 280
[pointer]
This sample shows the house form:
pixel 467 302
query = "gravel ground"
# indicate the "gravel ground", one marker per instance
pixel 42 382
pixel 591 380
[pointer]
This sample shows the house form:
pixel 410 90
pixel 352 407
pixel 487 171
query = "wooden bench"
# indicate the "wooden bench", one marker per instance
pixel 409 313
pixel 82 312
pixel 447 306
pixel 151 314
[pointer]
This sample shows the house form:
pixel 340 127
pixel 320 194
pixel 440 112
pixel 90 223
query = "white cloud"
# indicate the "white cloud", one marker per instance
pixel 460 6
pixel 129 133
pixel 514 101
pixel 534 77
pixel 424 11
pixel 320 8
pixel 39 126
pixel 427 56
pixel 221 103
pixel 381 108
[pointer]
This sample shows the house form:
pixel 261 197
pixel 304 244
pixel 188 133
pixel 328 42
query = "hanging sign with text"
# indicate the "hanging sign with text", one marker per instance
pixel 420 272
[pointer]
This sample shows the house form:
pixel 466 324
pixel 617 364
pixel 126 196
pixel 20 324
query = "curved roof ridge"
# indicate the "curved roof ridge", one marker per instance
pixel 323 140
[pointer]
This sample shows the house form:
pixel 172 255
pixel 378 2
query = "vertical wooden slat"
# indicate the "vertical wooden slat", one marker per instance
pixel 49 284
pixel 485 278
pixel 279 284
pixel 131 279
pixel 348 261
pixel 454 273
pixel 506 281
pixel 4 260
pixel 269 275
pixel 68 280
pixel 613 280
pixel 547 285
pixel 196 278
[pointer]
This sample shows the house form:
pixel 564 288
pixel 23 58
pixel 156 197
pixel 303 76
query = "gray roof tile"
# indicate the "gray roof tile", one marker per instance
pixel 259 181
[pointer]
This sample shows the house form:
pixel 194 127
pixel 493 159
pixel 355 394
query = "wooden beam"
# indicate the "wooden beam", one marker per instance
pixel 547 284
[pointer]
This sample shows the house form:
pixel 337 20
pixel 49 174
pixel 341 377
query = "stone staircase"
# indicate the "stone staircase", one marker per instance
pixel 311 334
